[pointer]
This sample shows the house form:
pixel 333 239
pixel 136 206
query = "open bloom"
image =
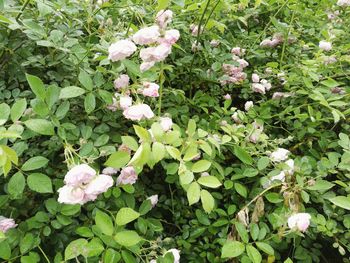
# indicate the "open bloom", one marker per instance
pixel 257 87
pixel 125 102
pixel 163 18
pixel 248 105
pixel 110 171
pixel 227 97
pixel 176 254
pixel 166 123
pixel 153 199
pixel 138 112
pixel 279 155
pixel 6 224
pixel 147 35
pixel 150 89
pixel 238 51
pixel 255 78
pixel 98 185
pixel 121 50
pixel 146 66
pixel 155 54
pixel 79 174
pixel 290 164
pixel 127 176
pixel 299 221
pixel 71 195
pixel 324 45
pixel 170 37
pixel 122 81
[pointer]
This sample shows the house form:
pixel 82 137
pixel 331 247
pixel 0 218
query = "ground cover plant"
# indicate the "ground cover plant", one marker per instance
pixel 174 131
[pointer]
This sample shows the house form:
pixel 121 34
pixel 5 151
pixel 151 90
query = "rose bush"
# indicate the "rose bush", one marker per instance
pixel 174 131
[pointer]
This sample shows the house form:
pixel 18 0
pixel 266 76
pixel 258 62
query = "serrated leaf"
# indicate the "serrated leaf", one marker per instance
pixel 40 183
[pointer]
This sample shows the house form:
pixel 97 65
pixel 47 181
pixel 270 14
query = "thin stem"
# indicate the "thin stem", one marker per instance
pixel 22 9
pixel 42 251
pixel 286 39
pixel 161 81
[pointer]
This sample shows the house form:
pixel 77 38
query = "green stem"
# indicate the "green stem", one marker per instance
pixel 161 81
pixel 42 251
pixel 22 9
pixel 286 39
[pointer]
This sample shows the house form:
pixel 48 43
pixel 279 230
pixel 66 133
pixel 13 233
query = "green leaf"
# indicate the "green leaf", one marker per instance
pixel 241 189
pixel 242 155
pixel 75 248
pixel 232 249
pixel 93 248
pixel 16 185
pixel 208 201
pixel 265 248
pixel 131 67
pixel 163 4
pixel 321 185
pixel 18 109
pixel 125 215
pixel 242 231
pixel 253 254
pixel 274 198
pixel 111 256
pixel 263 162
pixel 4 113
pixel 85 80
pixel 37 86
pixel 118 159
pixel 130 142
pixel 71 92
pixel 40 126
pixel 191 127
pixel 200 166
pixel 26 243
pixel 158 151
pixel 341 201
pixel 5 250
pixel 193 193
pixel 142 133
pixel 89 103
pixel 104 223
pixel 127 238
pixel 35 163
pixel 40 183
pixel 209 181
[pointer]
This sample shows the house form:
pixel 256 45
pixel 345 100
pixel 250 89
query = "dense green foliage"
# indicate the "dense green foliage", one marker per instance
pixel 212 170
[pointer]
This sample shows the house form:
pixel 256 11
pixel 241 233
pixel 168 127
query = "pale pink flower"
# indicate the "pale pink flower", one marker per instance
pixel 214 43
pixel 147 35
pixel 114 105
pixel 153 199
pixel 343 3
pixel 280 177
pixel 299 221
pixel 146 66
pixel 110 171
pixel 71 195
pixel 150 89
pixel 6 224
pixel 235 118
pixel 267 85
pixel 155 54
pixel 329 60
pixel 127 176
pixel 242 63
pixel 194 29
pixel 278 95
pixel 248 105
pixel 125 102
pixel 257 87
pixel 138 112
pixel 170 37
pixel 163 18
pixel 79 174
pixel 324 45
pixel 98 185
pixel 227 97
pixel 166 123
pixel 121 82
pixel 279 155
pixel 176 254
pixel 255 78
pixel 121 50
pixel 238 51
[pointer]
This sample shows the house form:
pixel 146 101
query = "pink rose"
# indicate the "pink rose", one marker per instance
pixel 127 176
pixel 214 43
pixel 99 185
pixel 155 54
pixel 147 35
pixel 255 78
pixel 257 87
pixel 164 17
pixel 166 123
pixel 121 50
pixel 121 82
pixel 146 66
pixel 153 199
pixel 6 224
pixel 194 29
pixel 170 37
pixel 324 45
pixel 299 221
pixel 71 195
pixel 125 102
pixel 150 89
pixel 238 51
pixel 266 84
pixel 138 112
pixel 79 174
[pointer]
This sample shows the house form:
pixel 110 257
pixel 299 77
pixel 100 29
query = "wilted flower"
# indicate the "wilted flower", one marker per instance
pixel 122 81
pixel 324 45
pixel 248 105
pixel 279 155
pixel 127 176
pixel 150 89
pixel 79 174
pixel 121 50
pixel 166 123
pixel 147 35
pixel 163 18
pixel 176 254
pixel 153 199
pixel 138 112
pixel 299 221
pixel 6 224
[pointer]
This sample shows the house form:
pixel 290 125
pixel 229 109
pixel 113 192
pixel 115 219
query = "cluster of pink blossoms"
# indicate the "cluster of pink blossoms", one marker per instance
pixel 276 40
pixel 234 73
pixel 260 86
pixel 161 41
pixel 6 224
pixel 82 184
